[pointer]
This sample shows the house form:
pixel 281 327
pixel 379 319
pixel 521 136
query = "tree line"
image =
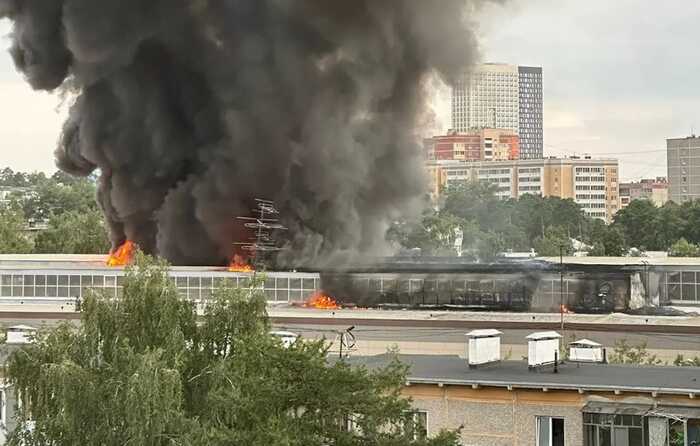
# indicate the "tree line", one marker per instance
pixel 488 225
pixel 471 212
pixel 50 214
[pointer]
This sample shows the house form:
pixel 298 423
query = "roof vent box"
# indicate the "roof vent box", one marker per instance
pixel 542 348
pixel 20 334
pixel 287 337
pixel 585 350
pixel 483 347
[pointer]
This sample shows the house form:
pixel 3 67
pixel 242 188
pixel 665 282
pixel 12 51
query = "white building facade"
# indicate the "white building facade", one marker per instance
pixel 502 96
pixel 488 98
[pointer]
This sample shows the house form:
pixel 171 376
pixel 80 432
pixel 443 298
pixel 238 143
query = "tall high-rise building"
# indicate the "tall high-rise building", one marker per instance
pixel 530 112
pixel 502 96
pixel 683 164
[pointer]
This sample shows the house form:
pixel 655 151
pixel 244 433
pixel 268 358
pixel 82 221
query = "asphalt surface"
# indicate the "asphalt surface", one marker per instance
pixel 658 337
pixel 659 341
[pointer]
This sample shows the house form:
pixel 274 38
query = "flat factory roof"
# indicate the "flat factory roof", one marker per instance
pixel 97 262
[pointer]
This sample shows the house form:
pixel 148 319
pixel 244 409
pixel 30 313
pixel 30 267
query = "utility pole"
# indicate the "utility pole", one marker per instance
pixel 561 286
pixel 347 339
pixel 645 282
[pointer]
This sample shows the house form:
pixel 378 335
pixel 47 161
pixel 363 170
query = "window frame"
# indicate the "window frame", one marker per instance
pixel 549 419
pixel 611 424
pixel 416 435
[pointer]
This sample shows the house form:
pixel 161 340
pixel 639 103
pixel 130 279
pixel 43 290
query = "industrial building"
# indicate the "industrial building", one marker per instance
pixel 55 278
pixel 592 183
pixel 502 96
pixel 590 284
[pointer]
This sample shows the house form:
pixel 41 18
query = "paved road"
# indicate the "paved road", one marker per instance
pixel 510 336
pixel 374 336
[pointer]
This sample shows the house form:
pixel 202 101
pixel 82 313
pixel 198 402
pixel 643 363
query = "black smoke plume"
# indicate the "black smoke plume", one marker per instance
pixel 192 108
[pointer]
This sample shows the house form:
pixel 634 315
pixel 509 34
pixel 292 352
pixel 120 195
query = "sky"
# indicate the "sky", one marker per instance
pixel 619 78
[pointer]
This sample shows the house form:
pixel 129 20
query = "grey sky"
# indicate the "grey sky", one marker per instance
pixel 619 77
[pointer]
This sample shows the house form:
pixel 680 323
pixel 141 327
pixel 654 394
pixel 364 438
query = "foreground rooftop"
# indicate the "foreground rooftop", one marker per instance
pixel 452 370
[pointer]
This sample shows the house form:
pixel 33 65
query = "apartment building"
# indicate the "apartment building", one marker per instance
pixel 592 183
pixel 479 145
pixel 683 165
pixel 583 401
pixel 652 189
pixel 502 96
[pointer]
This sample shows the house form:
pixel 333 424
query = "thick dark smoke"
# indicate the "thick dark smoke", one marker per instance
pixel 192 108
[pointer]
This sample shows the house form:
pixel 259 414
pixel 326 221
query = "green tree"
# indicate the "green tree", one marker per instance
pixel 669 225
pixel 534 214
pixel 13 239
pixel 51 198
pixel 144 370
pixel 607 241
pixel 690 215
pixel 637 223
pixel 553 242
pixel 8 177
pixel 74 233
pixel 435 234
pixel 477 202
pixel 683 248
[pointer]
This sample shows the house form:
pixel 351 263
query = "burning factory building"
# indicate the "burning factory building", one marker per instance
pixel 189 110
pixel 593 285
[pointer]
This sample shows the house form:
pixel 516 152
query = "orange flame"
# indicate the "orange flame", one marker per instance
pixel 239 264
pixel 122 255
pixel 322 302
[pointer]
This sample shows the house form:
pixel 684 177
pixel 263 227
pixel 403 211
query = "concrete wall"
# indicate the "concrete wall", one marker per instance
pixel 499 417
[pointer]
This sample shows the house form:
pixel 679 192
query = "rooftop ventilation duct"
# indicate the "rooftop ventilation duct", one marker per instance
pixel 20 334
pixel 483 347
pixel 542 348
pixel 586 350
pixel 287 337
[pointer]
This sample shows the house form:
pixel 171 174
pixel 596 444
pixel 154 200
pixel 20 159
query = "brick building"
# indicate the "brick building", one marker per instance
pixel 582 404
pixel 481 145
pixel 652 189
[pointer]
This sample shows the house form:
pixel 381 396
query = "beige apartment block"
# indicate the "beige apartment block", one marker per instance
pixel 508 403
pixel 592 183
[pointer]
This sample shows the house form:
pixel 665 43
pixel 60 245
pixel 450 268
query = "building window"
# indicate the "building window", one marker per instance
pixel 550 431
pixel 416 426
pixel 613 430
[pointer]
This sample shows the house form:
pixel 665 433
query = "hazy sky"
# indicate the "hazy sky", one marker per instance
pixel 619 77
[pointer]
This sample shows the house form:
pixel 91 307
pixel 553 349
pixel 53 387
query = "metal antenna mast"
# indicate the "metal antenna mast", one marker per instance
pixel 263 225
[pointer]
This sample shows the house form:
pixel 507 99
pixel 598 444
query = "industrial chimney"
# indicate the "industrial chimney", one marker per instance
pixel 483 347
